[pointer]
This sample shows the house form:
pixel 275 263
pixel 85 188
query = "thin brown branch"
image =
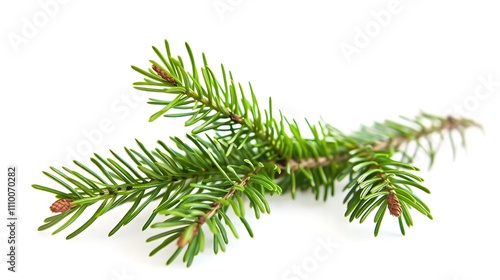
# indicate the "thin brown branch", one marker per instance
pixel 450 123
pixel 217 206
pixel 183 241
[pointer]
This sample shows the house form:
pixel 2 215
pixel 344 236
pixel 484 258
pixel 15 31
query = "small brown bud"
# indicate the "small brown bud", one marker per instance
pixel 62 205
pixel 236 118
pixel 451 120
pixel 201 220
pixel 164 75
pixel 187 235
pixel 393 205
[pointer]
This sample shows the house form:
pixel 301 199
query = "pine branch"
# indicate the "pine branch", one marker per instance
pixel 236 156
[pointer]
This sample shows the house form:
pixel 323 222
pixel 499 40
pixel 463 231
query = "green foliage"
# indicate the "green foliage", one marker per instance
pixel 238 154
pixel 374 175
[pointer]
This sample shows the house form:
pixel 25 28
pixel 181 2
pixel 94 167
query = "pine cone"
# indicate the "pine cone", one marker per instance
pixel 164 75
pixel 62 205
pixel 393 205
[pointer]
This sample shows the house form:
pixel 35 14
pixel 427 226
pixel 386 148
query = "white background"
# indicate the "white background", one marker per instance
pixel 72 72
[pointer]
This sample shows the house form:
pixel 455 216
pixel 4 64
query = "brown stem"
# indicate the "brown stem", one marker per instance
pixel 212 212
pixel 449 123
pixel 217 206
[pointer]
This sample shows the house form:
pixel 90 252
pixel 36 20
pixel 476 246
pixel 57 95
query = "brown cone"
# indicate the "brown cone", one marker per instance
pixel 393 205
pixel 62 205
pixel 164 75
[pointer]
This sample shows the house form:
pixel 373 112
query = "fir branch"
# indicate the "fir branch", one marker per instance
pixel 246 154
pixel 218 106
pixel 379 181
